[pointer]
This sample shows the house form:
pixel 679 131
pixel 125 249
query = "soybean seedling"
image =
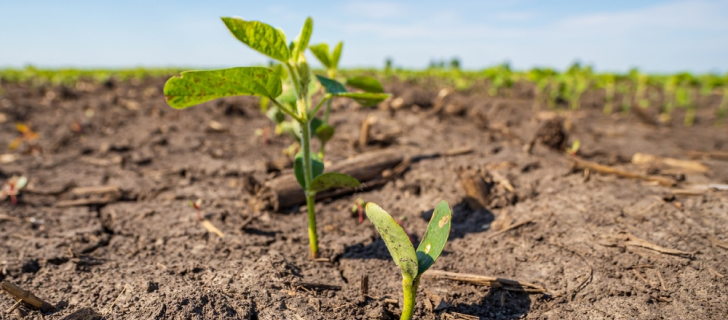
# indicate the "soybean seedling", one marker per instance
pixel 195 87
pixel 358 208
pixel 197 205
pixel 412 263
pixel 12 187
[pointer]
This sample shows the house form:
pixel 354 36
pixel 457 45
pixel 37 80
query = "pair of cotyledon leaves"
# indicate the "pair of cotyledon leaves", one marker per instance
pixel 195 87
pixel 413 263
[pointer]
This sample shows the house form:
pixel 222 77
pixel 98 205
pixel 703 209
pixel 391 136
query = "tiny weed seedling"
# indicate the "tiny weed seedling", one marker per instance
pixel 27 136
pixel 195 87
pixel 197 205
pixel 412 263
pixel 12 188
pixel 358 208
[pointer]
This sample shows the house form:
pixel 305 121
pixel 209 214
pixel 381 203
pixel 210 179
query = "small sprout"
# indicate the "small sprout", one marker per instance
pixel 574 149
pixel 26 135
pixel 358 208
pixel 412 263
pixel 12 188
pixel 196 205
pixel 263 133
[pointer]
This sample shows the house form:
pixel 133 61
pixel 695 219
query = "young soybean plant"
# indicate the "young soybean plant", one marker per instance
pixel 195 87
pixel 412 263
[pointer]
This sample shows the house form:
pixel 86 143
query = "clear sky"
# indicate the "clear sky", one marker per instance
pixel 613 35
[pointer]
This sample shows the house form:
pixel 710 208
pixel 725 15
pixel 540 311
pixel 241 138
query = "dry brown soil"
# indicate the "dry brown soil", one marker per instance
pixel 140 253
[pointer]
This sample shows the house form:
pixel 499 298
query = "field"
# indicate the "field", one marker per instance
pixel 105 221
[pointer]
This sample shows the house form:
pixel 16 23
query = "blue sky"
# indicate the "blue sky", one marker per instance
pixel 614 35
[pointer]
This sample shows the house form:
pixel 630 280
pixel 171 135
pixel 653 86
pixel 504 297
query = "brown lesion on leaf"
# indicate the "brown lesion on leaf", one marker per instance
pixel 443 221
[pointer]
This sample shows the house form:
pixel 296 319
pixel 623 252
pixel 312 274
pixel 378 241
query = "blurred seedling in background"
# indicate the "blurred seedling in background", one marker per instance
pixel 412 263
pixel 330 60
pixel 12 188
pixel 574 149
pixel 195 87
pixel 358 208
pixel 197 205
pixel 28 137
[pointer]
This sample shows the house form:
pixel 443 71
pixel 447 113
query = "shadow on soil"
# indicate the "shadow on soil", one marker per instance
pixel 498 304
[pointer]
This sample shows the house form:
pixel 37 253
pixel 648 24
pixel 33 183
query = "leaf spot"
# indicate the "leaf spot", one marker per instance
pixel 443 221
pixel 427 249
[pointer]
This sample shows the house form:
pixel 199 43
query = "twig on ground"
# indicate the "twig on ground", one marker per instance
pixel 506 284
pixel 717 155
pixel 593 166
pixel 637 242
pixel 649 159
pixel 716 273
pixel 718 243
pixel 511 227
pixel 111 307
pixel 249 219
pixel 15 306
pixel 212 229
pixel 86 202
pixel 639 276
pixel 26 296
pixel 588 279
pixel 662 281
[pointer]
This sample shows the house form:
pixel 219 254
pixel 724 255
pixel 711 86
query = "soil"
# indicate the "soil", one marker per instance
pixel 137 250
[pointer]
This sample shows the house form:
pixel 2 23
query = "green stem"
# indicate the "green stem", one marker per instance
pixel 308 178
pixel 409 293
pixel 327 111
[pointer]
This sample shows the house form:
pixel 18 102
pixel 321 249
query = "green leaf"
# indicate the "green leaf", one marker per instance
pixel 303 38
pixel 331 180
pixel 366 83
pixel 397 241
pixel 364 98
pixel 275 114
pixel 260 37
pixel 195 87
pixel 435 238
pixel 336 55
pixel 321 52
pixel 324 132
pixel 332 86
pixel 316 164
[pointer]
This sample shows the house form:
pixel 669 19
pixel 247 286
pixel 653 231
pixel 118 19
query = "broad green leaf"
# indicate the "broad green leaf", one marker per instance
pixel 324 132
pixel 331 180
pixel 260 37
pixel 435 238
pixel 303 38
pixel 397 241
pixel 364 98
pixel 195 87
pixel 366 83
pixel 316 164
pixel 336 55
pixel 321 52
pixel 332 86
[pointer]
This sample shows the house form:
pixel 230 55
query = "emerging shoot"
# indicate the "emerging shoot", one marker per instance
pixel 412 263
pixel 12 188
